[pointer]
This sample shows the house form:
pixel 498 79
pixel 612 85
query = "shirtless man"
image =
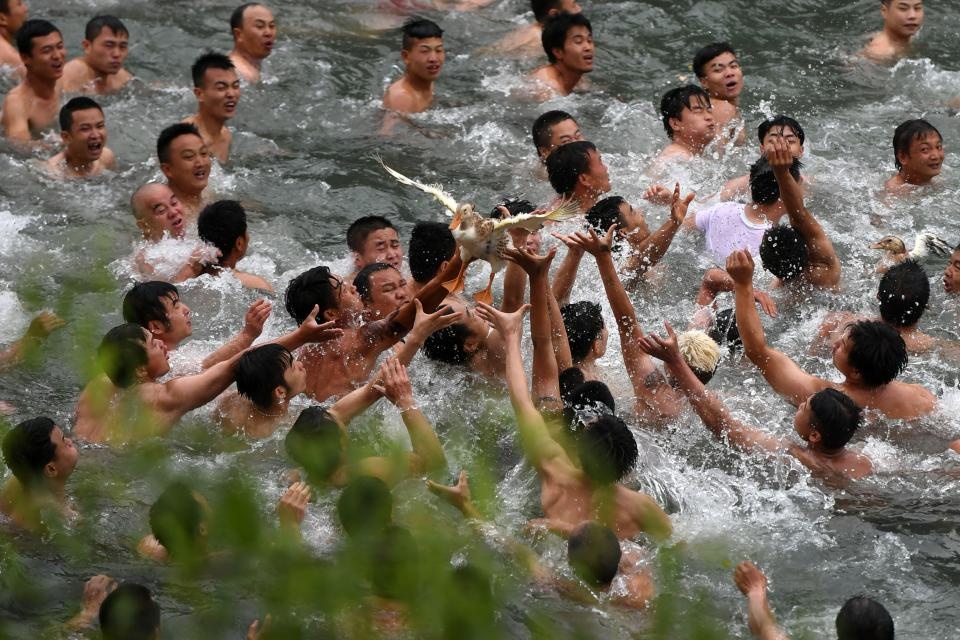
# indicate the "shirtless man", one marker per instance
pixel 423 56
pixel 100 69
pixel 13 13
pixel 869 355
pixel 185 161
pixel 158 212
pixel 268 378
pixel 553 129
pixel 576 171
pixel 33 105
pixel 382 289
pixel 902 20
pixel 568 42
pixel 217 88
pixel 526 41
pixel 223 224
pixel 719 72
pixel 918 155
pixel 688 120
pixel 83 130
pixel 254 32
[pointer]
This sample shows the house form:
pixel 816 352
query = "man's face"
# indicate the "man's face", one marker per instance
pixel 258 33
pixel 189 166
pixel 787 135
pixel 158 360
pixel 16 15
pixel 162 212
pixel 178 316
pixel 723 77
pixel 219 94
pixel 560 134
pixel 47 56
pixel 841 354
pixel 696 122
pixel 951 275
pixel 924 159
pixel 597 176
pixel 903 17
pixel 382 245
pixel 577 52
pixel 295 379
pixel 633 222
pixel 108 51
pixel 424 59
pixel 65 454
pixel 388 290
pixel 348 300
pixel 87 136
pixel 570 6
pixel 803 420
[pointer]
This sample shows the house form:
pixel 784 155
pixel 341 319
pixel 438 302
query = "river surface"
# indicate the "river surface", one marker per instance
pixel 301 163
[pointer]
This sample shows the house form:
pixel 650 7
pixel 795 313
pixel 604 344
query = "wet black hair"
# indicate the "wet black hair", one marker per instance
pixel 221 224
pixel 362 280
pixel 567 163
pixel 584 402
pixel 129 613
pixel 419 29
pixel 676 100
pixel 836 416
pixel 862 618
pixel 593 552
pixel 236 18
pixel 260 370
pixel 514 206
pixel 555 30
pixel 569 379
pixel 395 565
pixel 365 507
pixel 780 122
pixel 542 127
pixel 448 345
pixel 708 53
pixel 878 353
pixel 171 133
pixel 313 442
pixel 608 451
pixel 312 287
pixel 121 352
pixel 97 24
pixel 904 293
pixel 209 60
pixel 906 133
pixel 764 188
pixel 33 29
pixel 431 244
pixel 80 103
pixel 725 331
pixel 584 323
pixel 360 228
pixel 783 252
pixel 605 213
pixel 177 518
pixel 27 449
pixel 542 8
pixel 144 302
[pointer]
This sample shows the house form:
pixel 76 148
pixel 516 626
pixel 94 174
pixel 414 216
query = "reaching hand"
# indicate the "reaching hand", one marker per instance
pixel 394 384
pixel 96 591
pixel 740 267
pixel 678 207
pixel 508 324
pixel 658 194
pixel 533 244
pixel 749 579
pixel 567 239
pixel 255 318
pixel 766 303
pixel 665 349
pixel 530 262
pixel 592 243
pixel 293 504
pixel 457 495
pixel 311 331
pixel 426 324
pixel 43 325
pixel 778 154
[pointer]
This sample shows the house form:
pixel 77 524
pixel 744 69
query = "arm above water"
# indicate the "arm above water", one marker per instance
pixel 253 322
pixel 753 584
pixel 649 251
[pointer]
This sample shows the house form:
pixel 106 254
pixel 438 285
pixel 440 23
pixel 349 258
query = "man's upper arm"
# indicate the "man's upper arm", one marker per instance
pixel 16 120
pixel 786 377
pixel 380 335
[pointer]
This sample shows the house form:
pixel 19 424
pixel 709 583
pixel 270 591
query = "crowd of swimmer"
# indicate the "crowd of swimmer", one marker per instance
pixel 357 333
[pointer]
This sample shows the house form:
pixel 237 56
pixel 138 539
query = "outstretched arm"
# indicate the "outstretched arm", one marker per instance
pixel 40 327
pixel 648 251
pixel 425 325
pixel 253 322
pixel 716 281
pixel 753 584
pixel 566 273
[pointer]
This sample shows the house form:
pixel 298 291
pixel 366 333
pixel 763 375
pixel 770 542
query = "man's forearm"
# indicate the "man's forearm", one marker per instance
pixel 232 347
pixel 566 274
pixel 748 323
pixel 651 249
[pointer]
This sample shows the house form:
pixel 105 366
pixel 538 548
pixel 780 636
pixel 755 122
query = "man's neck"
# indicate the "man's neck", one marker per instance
pixel 193 200
pixel 567 77
pixel 246 57
pixel 210 123
pixel 899 42
pixel 420 85
pixel 760 213
pixel 693 147
pixel 909 178
pixel 80 167
pixel 6 35
pixel 45 88
pixel 586 197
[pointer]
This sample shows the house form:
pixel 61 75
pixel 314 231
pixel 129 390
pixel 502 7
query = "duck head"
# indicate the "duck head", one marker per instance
pixel 465 217
pixel 890 244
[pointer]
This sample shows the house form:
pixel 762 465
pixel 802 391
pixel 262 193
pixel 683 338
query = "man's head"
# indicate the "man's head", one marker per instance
pixel 184 158
pixel 903 294
pixel 431 246
pixel 374 239
pixel 216 85
pixel 764 188
pixel 552 129
pixel 608 451
pixel 254 30
pixel 783 252
pixel 157 211
pixel 129 613
pixel 576 168
pixel 584 402
pixel 585 331
pixel 365 507
pixel 315 442
pixel 701 353
pixel 688 114
pixel 870 352
pixel 129 354
pixel 593 552
pixel 422 49
pixel 951 274
pixel 719 71
pixel 269 375
pixel 567 40
pixel 37 452
pixel 782 128
pixel 178 520
pixel 382 288
pixel 543 9
pixel 156 306
pixel 458 343
pixel 725 330
pixel 827 419
pixel 41 48
pixel 917 150
pixel 224 225
pixel 616 210
pixel 319 287
pixel 83 130
pixel 13 13
pixel 105 44
pixel 902 18
pixel 861 618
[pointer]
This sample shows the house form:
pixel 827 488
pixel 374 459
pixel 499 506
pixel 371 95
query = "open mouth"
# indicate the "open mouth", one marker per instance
pixel 433 68
pixel 230 106
pixel 268 44
pixel 200 174
pixel 95 147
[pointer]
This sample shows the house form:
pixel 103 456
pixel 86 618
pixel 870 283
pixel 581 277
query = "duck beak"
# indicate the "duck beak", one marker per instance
pixel 876 245
pixel 457 219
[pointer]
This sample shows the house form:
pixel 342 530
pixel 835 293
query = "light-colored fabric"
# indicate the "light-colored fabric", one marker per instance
pixel 726 229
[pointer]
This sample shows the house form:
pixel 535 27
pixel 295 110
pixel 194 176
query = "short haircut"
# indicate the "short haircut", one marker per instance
pixel 260 370
pixel 725 330
pixel 836 416
pixel 236 18
pixel 27 449
pixel 171 133
pixel 362 280
pixel 221 224
pixel 360 228
pixel 97 24
pixel 543 125
pixel 608 451
pixel 780 122
pixel 121 352
pixel 555 31
pixel 593 552
pixel 783 252
pixel 904 134
pixel 33 29
pixel 542 8
pixel 431 244
pixel 878 353
pixel 514 206
pixel 365 507
pixel 312 287
pixel 904 293
pixel 708 53
pixel 80 103
pixel 584 323
pixel 209 60
pixel 313 442
pixel 144 302
pixel 129 613
pixel 586 401
pixel 569 379
pixel 448 345
pixel 176 518
pixel 567 163
pixel 676 100
pixel 764 188
pixel 419 29
pixel 862 618
pixel 701 353
pixel 605 213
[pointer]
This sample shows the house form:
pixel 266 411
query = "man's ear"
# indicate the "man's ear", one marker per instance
pixel 64 135
pixel 472 344
pixel 280 393
pixel 140 373
pixel 330 315
pixel 156 327
pixel 86 44
pixel 50 470
pixel 240 246
pixel 197 91
pixel 902 157
pixel 675 124
pixel 165 169
pixel 404 56
pixel 815 436
pixel 357 261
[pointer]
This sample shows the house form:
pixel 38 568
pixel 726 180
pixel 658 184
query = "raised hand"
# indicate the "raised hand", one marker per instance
pixel 591 242
pixel 778 154
pixel 530 262
pixel 457 495
pixel 658 194
pixel 749 578
pixel 394 384
pixel 665 349
pixel 96 591
pixel 766 303
pixel 427 324
pixel 567 239
pixel 740 267
pixel 508 324
pixel 44 324
pixel 293 504
pixel 255 318
pixel 311 331
pixel 678 206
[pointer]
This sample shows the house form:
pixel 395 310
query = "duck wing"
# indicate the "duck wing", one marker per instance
pixel 928 244
pixel 532 222
pixel 435 190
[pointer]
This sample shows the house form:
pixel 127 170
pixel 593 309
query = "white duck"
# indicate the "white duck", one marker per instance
pixel 925 246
